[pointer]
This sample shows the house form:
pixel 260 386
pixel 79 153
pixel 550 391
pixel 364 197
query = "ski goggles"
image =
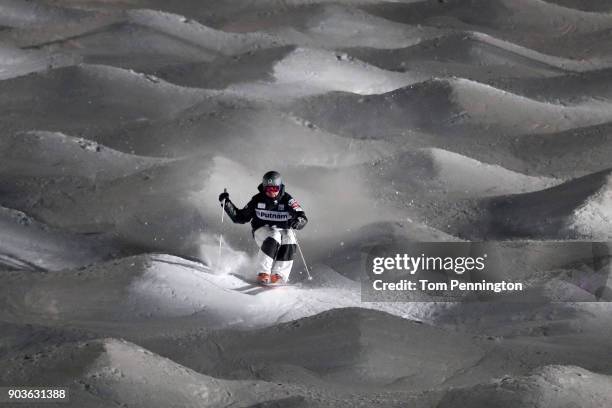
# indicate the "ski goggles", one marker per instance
pixel 272 189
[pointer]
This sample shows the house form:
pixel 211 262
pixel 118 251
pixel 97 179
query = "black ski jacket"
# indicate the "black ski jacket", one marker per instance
pixel 263 210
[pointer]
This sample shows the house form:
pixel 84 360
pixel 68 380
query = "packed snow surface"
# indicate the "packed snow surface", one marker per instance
pixel 392 123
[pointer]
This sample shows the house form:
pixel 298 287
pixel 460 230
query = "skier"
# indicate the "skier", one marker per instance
pixel 274 214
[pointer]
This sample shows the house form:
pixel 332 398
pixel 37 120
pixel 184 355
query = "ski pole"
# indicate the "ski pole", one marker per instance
pixel 302 255
pixel 221 233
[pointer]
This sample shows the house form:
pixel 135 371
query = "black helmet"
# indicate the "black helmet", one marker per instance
pixel 272 178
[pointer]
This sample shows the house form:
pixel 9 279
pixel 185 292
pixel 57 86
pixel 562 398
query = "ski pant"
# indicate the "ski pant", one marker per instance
pixel 277 248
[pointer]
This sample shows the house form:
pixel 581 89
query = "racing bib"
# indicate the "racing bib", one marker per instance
pixel 267 215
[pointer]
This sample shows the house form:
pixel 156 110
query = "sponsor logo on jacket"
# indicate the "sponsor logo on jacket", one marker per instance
pixel 272 215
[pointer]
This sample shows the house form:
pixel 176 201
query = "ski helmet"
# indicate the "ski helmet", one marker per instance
pixel 272 178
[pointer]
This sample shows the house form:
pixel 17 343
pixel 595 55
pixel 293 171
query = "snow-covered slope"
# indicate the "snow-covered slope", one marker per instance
pixel 446 106
pixel 16 62
pixel 145 40
pixel 569 88
pixel 575 209
pixel 29 245
pixel 473 50
pixel 306 71
pixel 550 386
pixel 575 152
pixel 243 132
pixel 426 171
pixel 110 369
pixel 53 154
pixel 370 348
pixel 392 123
pixel 89 99
pixel 585 5
pixel 143 290
pixel 83 205
pixel 534 23
pixel 332 26
pixel 23 13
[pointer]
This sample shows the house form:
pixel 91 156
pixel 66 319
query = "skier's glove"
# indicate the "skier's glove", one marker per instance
pixel 223 196
pixel 298 223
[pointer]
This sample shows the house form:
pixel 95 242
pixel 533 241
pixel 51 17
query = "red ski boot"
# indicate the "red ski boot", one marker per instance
pixel 263 278
pixel 276 278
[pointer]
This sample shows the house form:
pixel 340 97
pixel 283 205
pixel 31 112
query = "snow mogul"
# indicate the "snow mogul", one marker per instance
pixel 274 214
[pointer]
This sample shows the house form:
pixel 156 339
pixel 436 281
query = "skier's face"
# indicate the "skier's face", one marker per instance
pixel 272 191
